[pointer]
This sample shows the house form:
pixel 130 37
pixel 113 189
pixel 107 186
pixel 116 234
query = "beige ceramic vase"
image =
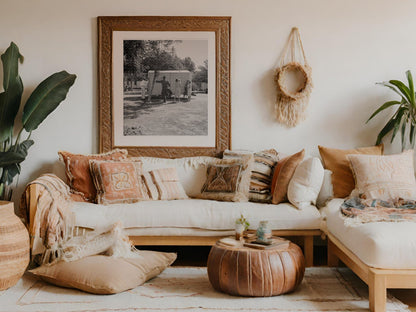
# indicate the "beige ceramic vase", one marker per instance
pixel 14 246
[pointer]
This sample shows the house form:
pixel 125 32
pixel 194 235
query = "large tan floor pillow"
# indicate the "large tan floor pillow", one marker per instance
pixel 106 275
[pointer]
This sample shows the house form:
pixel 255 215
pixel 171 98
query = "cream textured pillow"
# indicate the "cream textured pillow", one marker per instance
pixel 306 183
pixel 384 177
pixel 327 191
pixel 106 275
pixel 228 179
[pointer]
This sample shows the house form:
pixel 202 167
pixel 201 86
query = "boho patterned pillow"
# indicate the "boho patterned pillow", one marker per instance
pixel 228 179
pixel 118 181
pixel 261 173
pixel 384 177
pixel 77 169
pixel 164 184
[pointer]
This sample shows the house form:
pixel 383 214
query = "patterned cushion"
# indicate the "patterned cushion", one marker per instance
pixel 384 177
pixel 228 179
pixel 164 184
pixel 118 181
pixel 336 161
pixel 261 172
pixel 283 173
pixel 77 169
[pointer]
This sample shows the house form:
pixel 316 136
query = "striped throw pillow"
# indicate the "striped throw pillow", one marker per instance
pixel 164 184
pixel 261 172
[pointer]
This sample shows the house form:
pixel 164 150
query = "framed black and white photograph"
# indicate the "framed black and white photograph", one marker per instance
pixel 164 85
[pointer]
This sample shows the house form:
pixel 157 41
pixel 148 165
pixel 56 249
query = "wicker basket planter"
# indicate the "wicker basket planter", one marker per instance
pixel 14 246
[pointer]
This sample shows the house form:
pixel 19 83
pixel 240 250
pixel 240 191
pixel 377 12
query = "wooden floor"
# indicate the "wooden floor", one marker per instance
pixel 198 255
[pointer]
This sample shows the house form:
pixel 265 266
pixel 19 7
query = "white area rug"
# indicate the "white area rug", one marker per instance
pixel 188 289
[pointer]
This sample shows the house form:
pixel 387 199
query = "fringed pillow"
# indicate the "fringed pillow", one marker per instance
pixel 118 181
pixel 164 184
pixel 77 169
pixel 228 179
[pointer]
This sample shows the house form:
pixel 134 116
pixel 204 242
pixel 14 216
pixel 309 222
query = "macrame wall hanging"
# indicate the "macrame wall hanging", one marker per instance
pixel 293 81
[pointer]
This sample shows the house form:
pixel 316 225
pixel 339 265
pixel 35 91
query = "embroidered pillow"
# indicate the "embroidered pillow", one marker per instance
pixel 77 169
pixel 228 179
pixel 118 181
pixel 282 174
pixel 336 161
pixel 384 177
pixel 164 184
pixel 261 173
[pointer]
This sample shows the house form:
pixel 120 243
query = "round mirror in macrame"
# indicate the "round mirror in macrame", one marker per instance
pixel 293 83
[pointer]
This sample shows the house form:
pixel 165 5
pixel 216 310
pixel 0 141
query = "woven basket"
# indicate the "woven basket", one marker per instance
pixel 305 84
pixel 14 246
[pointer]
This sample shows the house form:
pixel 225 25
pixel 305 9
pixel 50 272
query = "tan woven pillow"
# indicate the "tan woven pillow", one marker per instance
pixel 283 172
pixel 118 181
pixel 106 275
pixel 336 161
pixel 384 177
pixel 228 179
pixel 77 169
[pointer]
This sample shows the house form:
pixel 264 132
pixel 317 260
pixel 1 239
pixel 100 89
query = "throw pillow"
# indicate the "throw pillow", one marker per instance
pixel 164 184
pixel 106 275
pixel 228 179
pixel 384 177
pixel 327 192
pixel 77 169
pixel 261 173
pixel 306 183
pixel 283 172
pixel 336 161
pixel 118 181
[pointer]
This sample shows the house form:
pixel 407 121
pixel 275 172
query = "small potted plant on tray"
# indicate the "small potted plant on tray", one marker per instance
pixel 241 225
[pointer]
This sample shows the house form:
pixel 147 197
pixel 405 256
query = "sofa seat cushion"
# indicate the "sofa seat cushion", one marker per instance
pixel 195 213
pixel 384 245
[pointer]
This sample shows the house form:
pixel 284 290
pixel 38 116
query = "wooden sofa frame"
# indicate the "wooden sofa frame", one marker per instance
pixel 378 280
pixel 306 236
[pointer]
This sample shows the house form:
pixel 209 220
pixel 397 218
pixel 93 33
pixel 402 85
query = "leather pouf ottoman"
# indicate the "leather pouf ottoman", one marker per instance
pixel 245 271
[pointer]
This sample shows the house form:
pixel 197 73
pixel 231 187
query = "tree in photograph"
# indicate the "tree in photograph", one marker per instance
pixel 201 75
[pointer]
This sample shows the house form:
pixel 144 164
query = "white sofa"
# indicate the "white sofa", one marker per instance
pixel 194 221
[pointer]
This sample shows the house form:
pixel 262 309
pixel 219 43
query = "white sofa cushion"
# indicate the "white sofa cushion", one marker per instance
pixel 191 170
pixel 385 245
pixel 195 213
pixel 306 183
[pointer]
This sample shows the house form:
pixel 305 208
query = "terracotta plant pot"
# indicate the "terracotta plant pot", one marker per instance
pixel 14 246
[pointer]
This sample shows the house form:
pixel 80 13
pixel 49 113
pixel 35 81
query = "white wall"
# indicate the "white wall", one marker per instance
pixel 350 45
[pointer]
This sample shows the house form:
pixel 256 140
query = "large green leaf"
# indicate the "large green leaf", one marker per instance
pixel 403 134
pixel 403 89
pixel 383 107
pixel 45 98
pixel 387 128
pixel 13 89
pixel 398 120
pixel 10 60
pixel 411 88
pixel 9 172
pixel 16 154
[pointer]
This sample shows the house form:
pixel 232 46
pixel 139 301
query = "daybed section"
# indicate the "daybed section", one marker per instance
pixel 382 254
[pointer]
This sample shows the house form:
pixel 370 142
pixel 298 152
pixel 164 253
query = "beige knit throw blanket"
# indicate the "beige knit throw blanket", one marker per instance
pixel 52 221
pixel 51 227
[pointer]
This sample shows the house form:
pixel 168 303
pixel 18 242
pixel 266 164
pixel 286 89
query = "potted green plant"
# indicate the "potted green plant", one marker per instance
pixel 41 102
pixel 241 225
pixel 404 117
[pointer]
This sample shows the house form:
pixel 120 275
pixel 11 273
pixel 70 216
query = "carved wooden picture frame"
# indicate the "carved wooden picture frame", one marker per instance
pixel 148 103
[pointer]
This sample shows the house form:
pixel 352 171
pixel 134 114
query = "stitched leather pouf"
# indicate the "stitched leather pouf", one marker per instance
pixel 245 271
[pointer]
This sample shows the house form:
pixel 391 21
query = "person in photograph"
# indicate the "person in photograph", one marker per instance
pixel 178 89
pixel 188 90
pixel 165 88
